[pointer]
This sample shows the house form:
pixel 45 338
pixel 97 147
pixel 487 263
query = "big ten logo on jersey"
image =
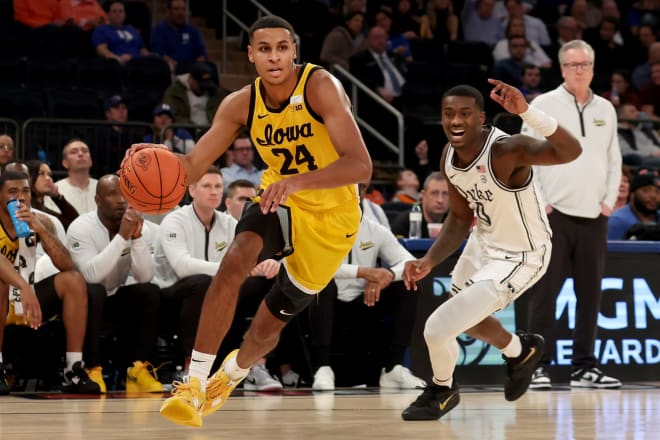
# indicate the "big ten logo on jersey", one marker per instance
pixel 296 103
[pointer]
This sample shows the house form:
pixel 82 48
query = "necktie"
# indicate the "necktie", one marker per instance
pixel 389 70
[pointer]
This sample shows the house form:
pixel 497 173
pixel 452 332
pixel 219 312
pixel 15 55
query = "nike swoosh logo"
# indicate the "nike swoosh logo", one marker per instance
pixel 531 353
pixel 442 405
pixel 262 116
pixel 250 380
pixel 285 313
pixel 507 257
pixel 350 235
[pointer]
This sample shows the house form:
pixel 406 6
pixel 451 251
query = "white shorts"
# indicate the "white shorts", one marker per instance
pixel 512 272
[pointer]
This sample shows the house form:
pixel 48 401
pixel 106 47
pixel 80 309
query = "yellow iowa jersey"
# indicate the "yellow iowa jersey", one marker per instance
pixel 8 247
pixel 291 140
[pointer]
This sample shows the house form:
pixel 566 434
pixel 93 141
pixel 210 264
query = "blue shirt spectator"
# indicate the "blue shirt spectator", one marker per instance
pixel 175 40
pixel 642 208
pixel 116 40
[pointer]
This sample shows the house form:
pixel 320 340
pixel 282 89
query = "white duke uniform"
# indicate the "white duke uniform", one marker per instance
pixel 511 243
pixel 112 263
pixel 185 248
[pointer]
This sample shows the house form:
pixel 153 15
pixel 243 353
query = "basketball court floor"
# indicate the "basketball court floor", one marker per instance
pixel 630 413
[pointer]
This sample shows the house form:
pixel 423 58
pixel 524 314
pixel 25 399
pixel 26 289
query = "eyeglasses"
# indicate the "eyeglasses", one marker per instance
pixel 6 147
pixel 575 66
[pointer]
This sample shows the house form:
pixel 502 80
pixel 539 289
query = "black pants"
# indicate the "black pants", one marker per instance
pixel 183 301
pixel 131 313
pixel 579 249
pixel 395 309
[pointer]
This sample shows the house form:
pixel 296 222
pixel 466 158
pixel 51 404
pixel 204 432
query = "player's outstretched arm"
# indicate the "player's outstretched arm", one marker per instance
pixel 560 146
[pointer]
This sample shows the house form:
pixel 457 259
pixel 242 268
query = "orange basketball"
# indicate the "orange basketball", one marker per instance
pixel 152 180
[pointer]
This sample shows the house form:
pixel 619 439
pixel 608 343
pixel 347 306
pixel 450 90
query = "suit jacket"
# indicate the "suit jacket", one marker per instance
pixel 365 67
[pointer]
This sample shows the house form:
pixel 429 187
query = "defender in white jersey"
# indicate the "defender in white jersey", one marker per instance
pixel 490 176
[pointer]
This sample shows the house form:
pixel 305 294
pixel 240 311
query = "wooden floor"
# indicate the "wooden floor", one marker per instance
pixel 630 413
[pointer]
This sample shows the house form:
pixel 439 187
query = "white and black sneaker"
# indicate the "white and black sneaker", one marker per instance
pixel 78 382
pixel 540 380
pixel 593 378
pixel 260 379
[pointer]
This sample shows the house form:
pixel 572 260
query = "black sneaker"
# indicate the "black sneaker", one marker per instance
pixel 4 385
pixel 593 378
pixel 519 370
pixel 433 403
pixel 78 382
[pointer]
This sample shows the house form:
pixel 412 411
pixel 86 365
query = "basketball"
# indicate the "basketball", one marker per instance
pixel 152 180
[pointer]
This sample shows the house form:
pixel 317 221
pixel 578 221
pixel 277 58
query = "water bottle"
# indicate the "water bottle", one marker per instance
pixel 415 218
pixel 21 227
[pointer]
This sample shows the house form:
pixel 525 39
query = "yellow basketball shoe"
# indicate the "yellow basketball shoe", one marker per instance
pixel 141 378
pixel 184 407
pixel 96 375
pixel 219 387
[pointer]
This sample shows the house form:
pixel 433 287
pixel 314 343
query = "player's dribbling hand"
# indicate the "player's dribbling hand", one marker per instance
pixel 509 97
pixel 137 147
pixel 414 271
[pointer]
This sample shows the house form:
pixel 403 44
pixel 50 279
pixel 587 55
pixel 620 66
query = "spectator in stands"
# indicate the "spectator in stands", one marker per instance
pixel 87 14
pixel 175 40
pixel 368 294
pixel 116 40
pixel 113 249
pixel 638 146
pixel 398 45
pixel 422 166
pixel 194 97
pixel 610 54
pixel 62 294
pixel 439 23
pixel 406 20
pixel 407 184
pixel 641 208
pixel 178 140
pixel 530 82
pixel 243 166
pixel 534 53
pixel 79 188
pixel 45 195
pixel 621 91
pixel 482 20
pixel 38 13
pixel 624 188
pixel 641 76
pixel 650 94
pixel 113 140
pixel 509 70
pixel 6 149
pixel 374 67
pixel 639 46
pixel 567 29
pixel 535 29
pixel 343 41
pixel 371 210
pixel 435 204
pixel 192 241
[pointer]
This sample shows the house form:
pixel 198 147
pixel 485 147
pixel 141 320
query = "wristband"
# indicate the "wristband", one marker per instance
pixel 392 272
pixel 540 121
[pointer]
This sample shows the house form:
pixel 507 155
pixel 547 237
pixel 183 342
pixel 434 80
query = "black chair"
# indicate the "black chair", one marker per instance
pixel 51 72
pixel 21 104
pixel 141 104
pixel 101 74
pixel 73 104
pixel 396 206
pixel 13 71
pixel 151 74
pixel 470 52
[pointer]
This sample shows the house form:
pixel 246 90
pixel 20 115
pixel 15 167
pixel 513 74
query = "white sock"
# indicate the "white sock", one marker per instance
pixel 234 371
pixel 1 357
pixel 71 358
pixel 513 348
pixel 200 366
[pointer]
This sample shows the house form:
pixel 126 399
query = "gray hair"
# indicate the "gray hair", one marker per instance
pixel 436 175
pixel 576 44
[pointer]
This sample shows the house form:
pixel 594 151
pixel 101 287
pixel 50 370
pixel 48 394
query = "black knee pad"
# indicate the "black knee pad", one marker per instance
pixel 285 300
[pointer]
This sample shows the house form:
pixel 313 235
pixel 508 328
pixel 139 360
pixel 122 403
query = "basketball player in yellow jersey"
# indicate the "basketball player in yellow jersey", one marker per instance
pixel 300 120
